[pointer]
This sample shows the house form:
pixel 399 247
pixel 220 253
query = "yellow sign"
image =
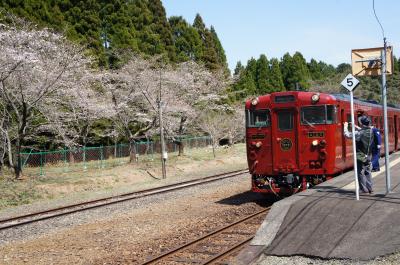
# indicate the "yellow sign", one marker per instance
pixel 367 62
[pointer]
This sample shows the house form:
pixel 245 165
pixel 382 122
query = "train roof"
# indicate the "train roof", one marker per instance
pixel 371 103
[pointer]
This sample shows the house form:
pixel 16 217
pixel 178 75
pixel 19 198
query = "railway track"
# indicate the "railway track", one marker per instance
pixel 215 247
pixel 73 208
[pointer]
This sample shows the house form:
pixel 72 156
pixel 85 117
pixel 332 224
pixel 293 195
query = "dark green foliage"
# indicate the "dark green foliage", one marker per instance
pixel 343 68
pixel 320 70
pixel 186 39
pixel 314 76
pixel 295 72
pixel 219 50
pixel 111 28
pixel 262 74
pixel 275 79
pixel 213 55
pixel 396 64
pixel 238 69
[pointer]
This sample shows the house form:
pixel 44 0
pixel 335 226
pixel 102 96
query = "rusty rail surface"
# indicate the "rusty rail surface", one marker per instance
pixel 214 246
pixel 73 208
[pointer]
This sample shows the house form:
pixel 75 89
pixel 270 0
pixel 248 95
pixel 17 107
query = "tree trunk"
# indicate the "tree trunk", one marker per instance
pixel 230 140
pixel 71 156
pixel 214 144
pixel 132 151
pixel 181 148
pixel 17 160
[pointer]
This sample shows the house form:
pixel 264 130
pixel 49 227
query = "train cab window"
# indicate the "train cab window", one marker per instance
pixel 323 114
pixel 258 118
pixel 285 120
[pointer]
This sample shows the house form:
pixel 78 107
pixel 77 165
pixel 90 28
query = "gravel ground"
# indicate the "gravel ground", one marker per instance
pixel 299 260
pixel 131 231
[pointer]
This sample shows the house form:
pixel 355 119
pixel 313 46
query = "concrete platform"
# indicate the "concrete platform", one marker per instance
pixel 328 222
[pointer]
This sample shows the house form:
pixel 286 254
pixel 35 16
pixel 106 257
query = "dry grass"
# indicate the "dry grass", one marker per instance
pixel 55 183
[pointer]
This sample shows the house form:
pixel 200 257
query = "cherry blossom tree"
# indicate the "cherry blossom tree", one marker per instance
pixel 126 88
pixel 37 67
pixel 190 88
pixel 235 125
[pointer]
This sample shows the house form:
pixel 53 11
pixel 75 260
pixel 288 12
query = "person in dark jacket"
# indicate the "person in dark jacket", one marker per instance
pixel 364 141
pixel 376 149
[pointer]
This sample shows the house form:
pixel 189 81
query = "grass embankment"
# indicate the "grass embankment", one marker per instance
pixel 56 184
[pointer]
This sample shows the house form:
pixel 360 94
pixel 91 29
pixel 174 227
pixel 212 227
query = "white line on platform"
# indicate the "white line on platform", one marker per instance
pixel 351 186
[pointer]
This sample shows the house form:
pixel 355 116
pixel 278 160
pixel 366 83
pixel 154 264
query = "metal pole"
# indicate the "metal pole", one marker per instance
pixel 163 153
pixel 353 136
pixel 384 106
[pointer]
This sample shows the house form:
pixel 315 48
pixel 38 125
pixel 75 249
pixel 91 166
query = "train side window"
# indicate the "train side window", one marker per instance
pixel 376 122
pixel 348 118
pixel 331 114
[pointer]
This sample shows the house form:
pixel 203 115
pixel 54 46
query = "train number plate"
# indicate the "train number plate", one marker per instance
pixel 316 134
pixel 258 136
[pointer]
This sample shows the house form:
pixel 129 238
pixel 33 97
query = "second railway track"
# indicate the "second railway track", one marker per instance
pixel 216 246
pixel 73 208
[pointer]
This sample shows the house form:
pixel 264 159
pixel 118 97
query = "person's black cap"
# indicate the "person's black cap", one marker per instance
pixel 364 120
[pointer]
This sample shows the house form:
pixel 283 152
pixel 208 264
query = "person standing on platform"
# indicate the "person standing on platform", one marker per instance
pixel 364 140
pixel 376 149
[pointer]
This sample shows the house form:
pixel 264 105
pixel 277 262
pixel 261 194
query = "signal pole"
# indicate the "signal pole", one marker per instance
pixel 350 83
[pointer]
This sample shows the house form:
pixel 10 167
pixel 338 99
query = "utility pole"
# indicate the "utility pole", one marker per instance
pixel 164 155
pixel 384 106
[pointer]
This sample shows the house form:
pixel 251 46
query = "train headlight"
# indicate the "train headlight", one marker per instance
pixel 258 144
pixel 314 143
pixel 254 101
pixel 315 98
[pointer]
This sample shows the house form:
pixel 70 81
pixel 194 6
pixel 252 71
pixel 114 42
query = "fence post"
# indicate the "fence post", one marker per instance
pixel 101 157
pixel 41 163
pixel 65 159
pixel 84 158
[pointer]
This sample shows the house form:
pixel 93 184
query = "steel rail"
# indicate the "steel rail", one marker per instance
pixel 190 243
pixel 72 208
pixel 228 251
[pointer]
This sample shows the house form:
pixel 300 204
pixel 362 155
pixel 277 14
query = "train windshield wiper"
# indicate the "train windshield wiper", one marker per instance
pixel 308 123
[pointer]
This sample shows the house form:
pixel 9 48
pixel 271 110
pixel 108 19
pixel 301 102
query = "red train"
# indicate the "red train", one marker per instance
pixel 295 139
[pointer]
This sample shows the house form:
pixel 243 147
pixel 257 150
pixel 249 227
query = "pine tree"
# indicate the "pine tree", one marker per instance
pixel 396 64
pixel 238 69
pixel 301 73
pixel 262 74
pixel 209 53
pixel 315 70
pixel 275 79
pixel 251 68
pixel 186 40
pixel 295 72
pixel 161 27
pixel 220 50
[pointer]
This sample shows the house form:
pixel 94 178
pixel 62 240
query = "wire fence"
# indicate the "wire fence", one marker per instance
pixel 85 158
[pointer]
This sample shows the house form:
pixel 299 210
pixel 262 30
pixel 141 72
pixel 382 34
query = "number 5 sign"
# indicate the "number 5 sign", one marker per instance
pixel 350 82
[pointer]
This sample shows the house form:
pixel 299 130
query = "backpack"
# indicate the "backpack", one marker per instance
pixel 364 145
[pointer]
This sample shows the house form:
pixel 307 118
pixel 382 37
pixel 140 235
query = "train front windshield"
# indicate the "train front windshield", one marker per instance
pixel 323 114
pixel 258 118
